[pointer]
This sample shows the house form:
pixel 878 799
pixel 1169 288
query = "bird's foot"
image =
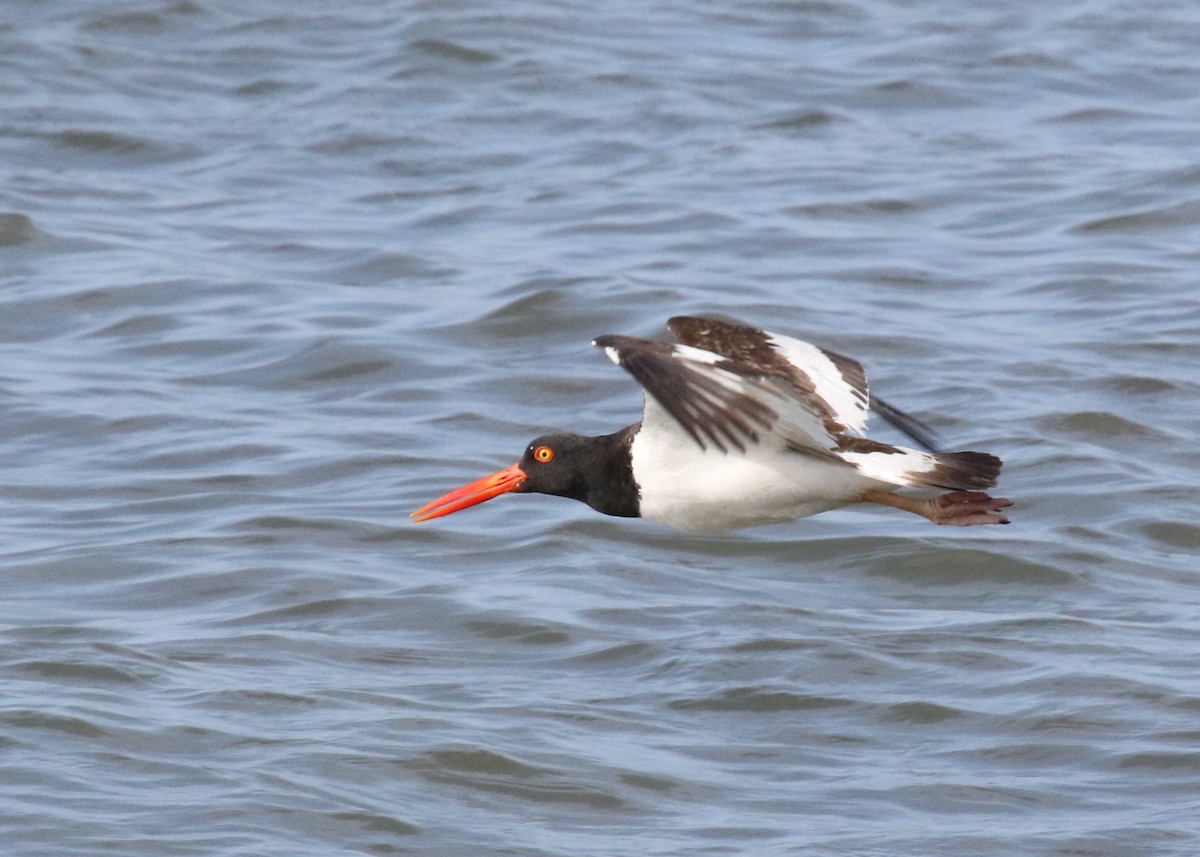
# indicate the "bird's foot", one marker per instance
pixel 965 508
pixel 959 508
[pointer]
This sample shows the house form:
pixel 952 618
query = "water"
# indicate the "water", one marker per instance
pixel 272 277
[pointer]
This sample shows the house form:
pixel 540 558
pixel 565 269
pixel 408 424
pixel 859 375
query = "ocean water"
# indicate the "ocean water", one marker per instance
pixel 274 275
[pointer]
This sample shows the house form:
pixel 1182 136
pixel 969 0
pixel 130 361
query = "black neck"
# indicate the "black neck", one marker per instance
pixel 610 487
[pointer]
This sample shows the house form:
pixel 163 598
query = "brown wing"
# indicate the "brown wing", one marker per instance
pixel 704 407
pixel 834 384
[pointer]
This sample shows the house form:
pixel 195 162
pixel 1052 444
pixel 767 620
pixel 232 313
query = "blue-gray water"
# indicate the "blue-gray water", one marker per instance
pixel 273 274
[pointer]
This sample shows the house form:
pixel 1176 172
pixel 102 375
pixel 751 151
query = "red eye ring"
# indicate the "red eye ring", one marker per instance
pixel 543 454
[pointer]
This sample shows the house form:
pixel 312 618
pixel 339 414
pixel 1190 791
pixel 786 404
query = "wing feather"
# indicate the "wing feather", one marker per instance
pixel 834 384
pixel 719 400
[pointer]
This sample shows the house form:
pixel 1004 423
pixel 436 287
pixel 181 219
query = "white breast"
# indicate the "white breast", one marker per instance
pixel 707 490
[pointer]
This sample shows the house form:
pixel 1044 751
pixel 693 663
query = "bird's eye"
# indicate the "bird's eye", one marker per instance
pixel 543 454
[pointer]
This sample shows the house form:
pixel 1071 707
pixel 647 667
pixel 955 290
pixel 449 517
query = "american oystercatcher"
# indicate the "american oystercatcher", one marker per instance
pixel 742 427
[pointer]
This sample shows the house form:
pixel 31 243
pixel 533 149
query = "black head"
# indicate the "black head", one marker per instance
pixel 595 470
pixel 555 464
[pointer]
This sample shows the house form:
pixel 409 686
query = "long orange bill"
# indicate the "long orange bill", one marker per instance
pixel 479 491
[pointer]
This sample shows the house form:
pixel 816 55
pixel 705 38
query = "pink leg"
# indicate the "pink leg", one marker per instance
pixel 961 508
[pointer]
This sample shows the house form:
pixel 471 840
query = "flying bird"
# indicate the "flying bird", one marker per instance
pixel 742 427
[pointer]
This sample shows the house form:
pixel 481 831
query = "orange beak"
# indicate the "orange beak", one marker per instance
pixel 479 491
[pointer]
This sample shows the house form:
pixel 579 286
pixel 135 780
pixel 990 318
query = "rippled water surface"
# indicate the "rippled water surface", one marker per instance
pixel 273 274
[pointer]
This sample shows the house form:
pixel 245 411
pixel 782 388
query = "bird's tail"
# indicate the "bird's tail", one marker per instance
pixel 953 471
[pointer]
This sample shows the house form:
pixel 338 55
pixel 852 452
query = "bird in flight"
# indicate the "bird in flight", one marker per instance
pixel 743 427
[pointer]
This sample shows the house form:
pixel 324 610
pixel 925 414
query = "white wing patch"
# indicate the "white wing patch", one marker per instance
pixel 695 355
pixel 898 467
pixel 848 403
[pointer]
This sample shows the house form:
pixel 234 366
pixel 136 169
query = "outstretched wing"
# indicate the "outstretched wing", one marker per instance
pixel 715 399
pixel 834 384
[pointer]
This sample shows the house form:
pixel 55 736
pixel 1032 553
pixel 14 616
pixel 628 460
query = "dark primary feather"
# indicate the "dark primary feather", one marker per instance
pixel 907 424
pixel 753 349
pixel 752 346
pixel 706 409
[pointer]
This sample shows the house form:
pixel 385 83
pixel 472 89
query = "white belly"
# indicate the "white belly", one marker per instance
pixel 706 490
